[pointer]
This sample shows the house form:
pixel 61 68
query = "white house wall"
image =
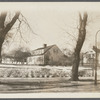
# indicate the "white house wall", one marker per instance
pixel 36 60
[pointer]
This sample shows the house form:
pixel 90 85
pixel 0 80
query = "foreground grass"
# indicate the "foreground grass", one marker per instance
pixel 48 85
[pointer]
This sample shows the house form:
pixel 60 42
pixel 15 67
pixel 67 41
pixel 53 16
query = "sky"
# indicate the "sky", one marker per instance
pixel 53 23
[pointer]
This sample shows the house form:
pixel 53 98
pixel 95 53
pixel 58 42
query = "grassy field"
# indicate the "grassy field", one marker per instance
pixel 47 85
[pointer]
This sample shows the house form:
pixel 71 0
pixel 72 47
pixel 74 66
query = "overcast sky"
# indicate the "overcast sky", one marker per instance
pixel 52 21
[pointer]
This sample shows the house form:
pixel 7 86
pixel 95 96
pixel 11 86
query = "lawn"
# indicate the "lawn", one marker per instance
pixel 32 79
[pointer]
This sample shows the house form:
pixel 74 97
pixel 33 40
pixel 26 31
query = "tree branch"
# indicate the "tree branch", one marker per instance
pixel 28 25
pixel 2 19
pixel 70 34
pixel 9 25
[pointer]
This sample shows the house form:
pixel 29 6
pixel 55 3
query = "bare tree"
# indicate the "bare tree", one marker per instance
pixel 79 44
pixel 4 29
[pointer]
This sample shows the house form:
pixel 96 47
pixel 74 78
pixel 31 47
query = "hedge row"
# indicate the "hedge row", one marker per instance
pixel 39 72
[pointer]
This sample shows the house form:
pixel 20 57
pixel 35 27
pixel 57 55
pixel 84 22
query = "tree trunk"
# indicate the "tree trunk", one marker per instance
pixel 80 41
pixel 0 52
pixel 4 29
pixel 75 67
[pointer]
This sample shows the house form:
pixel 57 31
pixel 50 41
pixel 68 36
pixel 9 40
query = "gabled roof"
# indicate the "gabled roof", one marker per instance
pixel 47 47
pixel 43 48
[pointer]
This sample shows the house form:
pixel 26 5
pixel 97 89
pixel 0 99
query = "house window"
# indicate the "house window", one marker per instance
pixel 55 51
pixel 39 51
pixel 30 59
pixel 42 51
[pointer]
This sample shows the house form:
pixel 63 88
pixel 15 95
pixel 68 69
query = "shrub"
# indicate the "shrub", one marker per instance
pixel 40 72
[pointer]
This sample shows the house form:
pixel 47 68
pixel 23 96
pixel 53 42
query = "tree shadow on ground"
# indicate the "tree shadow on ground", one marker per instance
pixel 86 80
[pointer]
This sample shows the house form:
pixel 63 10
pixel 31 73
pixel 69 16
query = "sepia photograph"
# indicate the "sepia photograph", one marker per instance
pixel 49 49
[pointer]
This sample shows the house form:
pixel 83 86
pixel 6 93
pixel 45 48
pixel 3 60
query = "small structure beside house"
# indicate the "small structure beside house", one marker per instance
pixel 47 55
pixel 8 60
pixel 13 60
pixel 18 58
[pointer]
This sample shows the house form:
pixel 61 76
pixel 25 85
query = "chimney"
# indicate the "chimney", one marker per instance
pixel 44 45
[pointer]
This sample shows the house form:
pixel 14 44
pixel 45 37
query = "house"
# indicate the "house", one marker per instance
pixel 47 55
pixel 87 58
